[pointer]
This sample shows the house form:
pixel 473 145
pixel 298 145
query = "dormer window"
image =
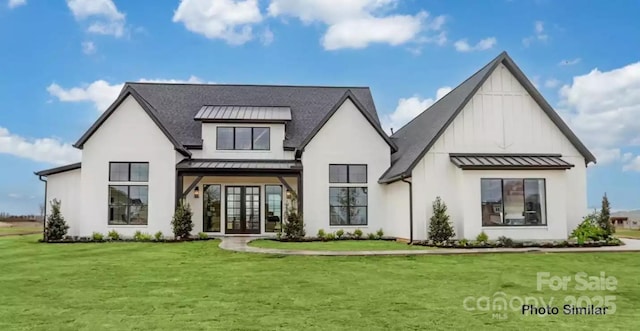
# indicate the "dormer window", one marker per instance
pixel 243 138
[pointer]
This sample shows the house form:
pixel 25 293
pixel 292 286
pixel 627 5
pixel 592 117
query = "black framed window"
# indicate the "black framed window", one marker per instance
pixel 348 173
pixel 273 207
pixel 243 138
pixel 128 204
pixel 128 171
pixel 513 202
pixel 348 205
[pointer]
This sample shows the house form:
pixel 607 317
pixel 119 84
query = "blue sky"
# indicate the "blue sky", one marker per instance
pixel 62 62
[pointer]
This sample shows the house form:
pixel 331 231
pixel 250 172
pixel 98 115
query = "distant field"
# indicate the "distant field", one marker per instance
pixel 628 233
pixel 8 228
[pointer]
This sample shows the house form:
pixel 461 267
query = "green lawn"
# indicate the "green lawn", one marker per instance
pixel 195 285
pixel 340 245
pixel 628 233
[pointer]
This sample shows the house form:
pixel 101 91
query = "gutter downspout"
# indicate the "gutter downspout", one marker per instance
pixel 44 216
pixel 410 208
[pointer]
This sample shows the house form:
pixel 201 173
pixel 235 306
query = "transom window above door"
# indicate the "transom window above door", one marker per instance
pixel 243 138
pixel 348 173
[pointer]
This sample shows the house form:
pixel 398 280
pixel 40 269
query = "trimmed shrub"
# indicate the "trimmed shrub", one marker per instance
pixel 182 223
pixel 203 236
pixel 137 236
pixel 589 229
pixel 372 236
pixel 380 233
pixel 56 227
pixel 97 236
pixel 440 230
pixel 505 241
pixel 482 237
pixel 463 242
pixel 340 234
pixel 321 234
pixel 293 227
pixel 330 236
pixel 158 236
pixel 357 234
pixel 113 235
pixel 604 218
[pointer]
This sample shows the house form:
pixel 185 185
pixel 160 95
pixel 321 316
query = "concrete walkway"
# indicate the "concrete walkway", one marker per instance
pixel 239 244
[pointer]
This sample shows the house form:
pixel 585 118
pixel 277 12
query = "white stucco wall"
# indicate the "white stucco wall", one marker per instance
pixel 209 141
pixel 500 118
pixel 396 222
pixel 65 187
pixel 128 135
pixel 346 138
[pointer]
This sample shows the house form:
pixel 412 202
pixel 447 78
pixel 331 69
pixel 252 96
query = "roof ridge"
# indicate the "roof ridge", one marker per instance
pixel 501 56
pixel 249 85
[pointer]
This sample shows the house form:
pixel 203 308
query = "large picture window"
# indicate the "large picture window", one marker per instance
pixel 243 138
pixel 128 204
pixel 348 205
pixel 513 202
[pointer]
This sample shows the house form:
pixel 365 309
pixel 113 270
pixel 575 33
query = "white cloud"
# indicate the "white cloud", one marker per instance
pixel 634 165
pixel 103 16
pixel 408 108
pixel 229 20
pixel 49 150
pixel 603 108
pixel 16 3
pixel 359 23
pixel 266 38
pixel 463 45
pixel 88 47
pixel 552 83
pixel 538 34
pixel 15 195
pixel 101 93
pixel 569 62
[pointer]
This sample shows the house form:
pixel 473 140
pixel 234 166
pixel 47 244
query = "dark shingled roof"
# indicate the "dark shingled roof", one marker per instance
pixel 417 137
pixel 176 105
pixel 58 170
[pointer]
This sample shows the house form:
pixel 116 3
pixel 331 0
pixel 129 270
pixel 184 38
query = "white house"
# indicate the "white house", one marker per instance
pixel 493 149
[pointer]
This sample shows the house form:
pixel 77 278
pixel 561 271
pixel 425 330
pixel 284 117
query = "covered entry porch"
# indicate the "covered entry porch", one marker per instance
pixel 239 197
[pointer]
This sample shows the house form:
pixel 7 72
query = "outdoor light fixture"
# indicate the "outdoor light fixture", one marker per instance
pixel 288 194
pixel 196 192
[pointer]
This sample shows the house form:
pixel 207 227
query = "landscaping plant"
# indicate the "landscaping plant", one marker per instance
pixel 293 227
pixel 357 234
pixel 113 235
pixel 482 237
pixel 604 219
pixel 182 223
pixel 97 236
pixel 56 227
pixel 589 229
pixel 340 234
pixel 158 236
pixel 440 230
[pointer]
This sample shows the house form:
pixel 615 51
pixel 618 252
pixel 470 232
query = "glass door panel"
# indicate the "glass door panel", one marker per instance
pixel 211 212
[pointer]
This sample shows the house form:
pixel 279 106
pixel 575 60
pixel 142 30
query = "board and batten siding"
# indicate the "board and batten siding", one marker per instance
pixel 346 138
pixel 500 118
pixel 128 135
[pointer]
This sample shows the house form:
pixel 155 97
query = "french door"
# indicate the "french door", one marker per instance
pixel 242 209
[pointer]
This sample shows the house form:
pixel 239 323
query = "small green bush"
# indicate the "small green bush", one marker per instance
pixel 372 236
pixel 357 234
pixel 380 233
pixel 339 234
pixel 139 236
pixel 330 236
pixel 97 236
pixel 505 241
pixel 482 237
pixel 463 242
pixel 589 229
pixel 182 223
pixel 113 235
pixel 158 236
pixel 321 234
pixel 440 229
pixel 56 228
pixel 203 236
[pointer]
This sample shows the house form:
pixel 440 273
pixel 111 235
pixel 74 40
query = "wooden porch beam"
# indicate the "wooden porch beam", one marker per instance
pixel 191 187
pixel 284 182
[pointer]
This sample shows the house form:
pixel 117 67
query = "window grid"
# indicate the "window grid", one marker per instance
pixel 347 173
pixel 128 204
pixel 348 204
pixel 129 171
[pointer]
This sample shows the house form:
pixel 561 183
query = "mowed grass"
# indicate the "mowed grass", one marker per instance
pixel 339 245
pixel 22 228
pixel 196 285
pixel 628 233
